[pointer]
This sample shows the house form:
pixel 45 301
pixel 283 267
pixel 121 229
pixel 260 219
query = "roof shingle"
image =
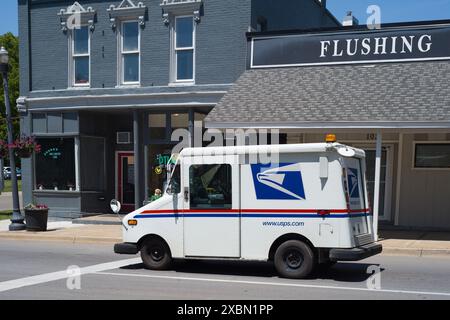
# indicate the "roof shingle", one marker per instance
pixel 391 92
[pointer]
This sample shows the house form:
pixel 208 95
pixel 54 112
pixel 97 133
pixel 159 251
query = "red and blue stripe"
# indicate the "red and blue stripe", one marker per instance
pixel 254 213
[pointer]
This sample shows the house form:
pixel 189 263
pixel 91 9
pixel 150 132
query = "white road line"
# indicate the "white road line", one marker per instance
pixel 280 284
pixel 53 276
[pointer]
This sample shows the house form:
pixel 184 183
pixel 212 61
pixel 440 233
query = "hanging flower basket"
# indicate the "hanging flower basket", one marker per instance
pixel 4 150
pixel 25 146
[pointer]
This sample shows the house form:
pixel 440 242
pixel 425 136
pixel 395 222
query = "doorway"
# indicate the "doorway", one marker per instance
pixel 387 162
pixel 125 188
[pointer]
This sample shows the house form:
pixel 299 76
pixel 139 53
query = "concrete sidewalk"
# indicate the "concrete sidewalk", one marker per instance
pixel 66 231
pixel 394 242
pixel 415 243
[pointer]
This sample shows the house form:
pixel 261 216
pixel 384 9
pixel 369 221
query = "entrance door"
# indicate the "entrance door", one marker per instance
pixel 125 180
pixel 212 221
pixel 385 179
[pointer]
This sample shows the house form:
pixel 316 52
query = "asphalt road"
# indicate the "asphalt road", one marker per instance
pixel 38 270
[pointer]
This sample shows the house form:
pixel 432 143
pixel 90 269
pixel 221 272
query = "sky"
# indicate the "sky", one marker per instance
pixel 391 11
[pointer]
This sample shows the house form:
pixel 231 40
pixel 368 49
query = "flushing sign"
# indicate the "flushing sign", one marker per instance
pixel 369 46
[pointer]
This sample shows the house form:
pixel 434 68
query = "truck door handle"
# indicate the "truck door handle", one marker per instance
pixel 186 194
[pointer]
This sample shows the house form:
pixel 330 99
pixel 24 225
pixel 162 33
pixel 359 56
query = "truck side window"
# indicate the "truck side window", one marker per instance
pixel 210 186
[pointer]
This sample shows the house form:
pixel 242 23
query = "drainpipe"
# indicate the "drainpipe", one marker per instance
pixel 137 176
pixel 376 194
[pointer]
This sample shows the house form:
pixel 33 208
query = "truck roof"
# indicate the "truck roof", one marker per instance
pixel 282 148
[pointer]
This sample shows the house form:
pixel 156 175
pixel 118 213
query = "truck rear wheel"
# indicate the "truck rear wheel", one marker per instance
pixel 155 254
pixel 294 259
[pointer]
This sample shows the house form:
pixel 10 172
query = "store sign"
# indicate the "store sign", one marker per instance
pixel 53 153
pixel 371 46
pixel 164 159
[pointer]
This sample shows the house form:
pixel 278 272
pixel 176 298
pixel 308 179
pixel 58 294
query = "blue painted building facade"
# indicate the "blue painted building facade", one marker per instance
pixel 104 83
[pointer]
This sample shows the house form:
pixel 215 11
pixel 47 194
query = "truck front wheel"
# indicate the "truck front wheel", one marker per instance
pixel 294 259
pixel 155 254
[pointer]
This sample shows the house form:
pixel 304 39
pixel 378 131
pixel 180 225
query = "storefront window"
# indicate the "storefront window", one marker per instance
pixel 159 156
pixel 157 124
pixel 432 155
pixel 55 165
pixel 180 120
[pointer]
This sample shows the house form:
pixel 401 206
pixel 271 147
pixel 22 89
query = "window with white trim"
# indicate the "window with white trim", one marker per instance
pixel 183 61
pixel 432 155
pixel 80 57
pixel 130 53
pixel 55 165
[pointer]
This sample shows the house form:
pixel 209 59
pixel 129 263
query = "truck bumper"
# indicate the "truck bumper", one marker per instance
pixel 355 254
pixel 126 248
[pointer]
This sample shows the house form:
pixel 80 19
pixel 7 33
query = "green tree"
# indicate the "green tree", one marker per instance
pixel 11 44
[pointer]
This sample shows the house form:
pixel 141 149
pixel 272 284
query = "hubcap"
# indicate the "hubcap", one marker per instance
pixel 156 253
pixel 294 259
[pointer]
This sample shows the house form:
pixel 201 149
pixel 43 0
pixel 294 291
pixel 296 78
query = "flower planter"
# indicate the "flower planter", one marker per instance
pixel 24 154
pixel 36 219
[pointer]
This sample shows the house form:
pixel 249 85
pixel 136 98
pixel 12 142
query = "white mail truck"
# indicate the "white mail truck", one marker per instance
pixel 308 208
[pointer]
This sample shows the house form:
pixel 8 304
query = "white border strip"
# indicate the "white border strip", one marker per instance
pixel 346 63
pixel 278 284
pixel 59 275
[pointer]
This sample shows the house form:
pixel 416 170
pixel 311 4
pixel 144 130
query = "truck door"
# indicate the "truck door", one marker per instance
pixel 356 195
pixel 212 208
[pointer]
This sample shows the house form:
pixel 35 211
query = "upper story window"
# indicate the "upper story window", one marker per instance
pixel 183 62
pixel 78 23
pixel 130 48
pixel 80 60
pixel 127 19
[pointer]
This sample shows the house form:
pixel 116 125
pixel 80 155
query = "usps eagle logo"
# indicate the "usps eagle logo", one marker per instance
pixel 283 182
pixel 353 183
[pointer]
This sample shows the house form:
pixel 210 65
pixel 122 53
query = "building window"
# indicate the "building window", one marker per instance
pixel 157 124
pixel 183 63
pixel 179 121
pixel 210 186
pixel 55 165
pixel 432 155
pixel 80 62
pixel 130 48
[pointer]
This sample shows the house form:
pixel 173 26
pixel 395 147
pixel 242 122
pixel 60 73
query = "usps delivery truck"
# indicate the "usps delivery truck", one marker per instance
pixel 307 209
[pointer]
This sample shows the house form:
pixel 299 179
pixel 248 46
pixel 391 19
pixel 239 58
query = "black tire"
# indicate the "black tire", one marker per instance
pixel 155 254
pixel 294 259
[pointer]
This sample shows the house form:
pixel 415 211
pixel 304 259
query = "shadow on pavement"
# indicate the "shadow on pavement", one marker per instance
pixel 342 272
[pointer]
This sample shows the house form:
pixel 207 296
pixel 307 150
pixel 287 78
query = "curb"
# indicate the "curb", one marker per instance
pixel 97 222
pixel 72 239
pixel 416 252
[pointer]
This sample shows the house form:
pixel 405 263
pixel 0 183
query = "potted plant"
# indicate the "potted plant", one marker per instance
pixel 36 217
pixel 25 146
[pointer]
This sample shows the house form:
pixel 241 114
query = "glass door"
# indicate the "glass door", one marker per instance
pixel 125 180
pixel 385 180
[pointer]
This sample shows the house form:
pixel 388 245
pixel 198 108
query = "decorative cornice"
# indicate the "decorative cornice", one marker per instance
pixel 75 16
pixel 127 10
pixel 178 7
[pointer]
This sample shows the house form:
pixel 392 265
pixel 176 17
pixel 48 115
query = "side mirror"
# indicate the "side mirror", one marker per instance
pixel 115 206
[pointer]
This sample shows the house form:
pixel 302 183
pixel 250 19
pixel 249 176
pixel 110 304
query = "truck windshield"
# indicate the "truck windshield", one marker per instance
pixel 175 180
